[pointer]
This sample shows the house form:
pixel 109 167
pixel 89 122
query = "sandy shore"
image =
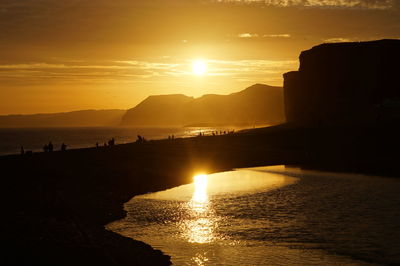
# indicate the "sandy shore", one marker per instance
pixel 57 204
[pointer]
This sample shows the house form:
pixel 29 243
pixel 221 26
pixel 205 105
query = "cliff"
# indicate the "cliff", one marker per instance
pixel 345 82
pixel 256 104
pixel 158 110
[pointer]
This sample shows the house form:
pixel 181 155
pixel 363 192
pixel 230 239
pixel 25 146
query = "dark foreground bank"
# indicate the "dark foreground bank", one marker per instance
pixel 56 204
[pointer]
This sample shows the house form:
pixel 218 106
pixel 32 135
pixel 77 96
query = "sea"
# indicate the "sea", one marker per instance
pixel 271 216
pixel 33 139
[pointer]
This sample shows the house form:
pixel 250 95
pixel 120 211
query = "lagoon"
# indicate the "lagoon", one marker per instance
pixel 271 216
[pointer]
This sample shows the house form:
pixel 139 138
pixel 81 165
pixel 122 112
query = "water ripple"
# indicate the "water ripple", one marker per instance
pixel 282 217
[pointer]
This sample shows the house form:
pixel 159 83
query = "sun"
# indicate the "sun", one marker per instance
pixel 199 67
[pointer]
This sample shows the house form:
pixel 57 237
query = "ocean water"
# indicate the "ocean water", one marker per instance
pixel 11 139
pixel 271 216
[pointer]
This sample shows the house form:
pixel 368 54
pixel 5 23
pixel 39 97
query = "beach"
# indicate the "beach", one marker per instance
pixel 58 203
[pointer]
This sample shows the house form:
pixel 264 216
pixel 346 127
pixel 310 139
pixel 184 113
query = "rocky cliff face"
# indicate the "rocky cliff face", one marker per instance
pixel 343 82
pixel 256 104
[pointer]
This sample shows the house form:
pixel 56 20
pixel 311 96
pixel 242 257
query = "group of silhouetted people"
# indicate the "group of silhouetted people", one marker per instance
pixel 46 148
pixel 25 152
pixel 223 132
pixel 215 133
pixel 50 147
pixel 108 143
pixel 140 139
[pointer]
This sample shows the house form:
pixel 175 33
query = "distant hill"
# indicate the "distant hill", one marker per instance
pixel 258 104
pixel 255 105
pixel 85 118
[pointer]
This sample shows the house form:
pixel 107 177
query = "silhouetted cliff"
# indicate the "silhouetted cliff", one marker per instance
pixel 85 118
pixel 345 82
pixel 256 104
pixel 158 110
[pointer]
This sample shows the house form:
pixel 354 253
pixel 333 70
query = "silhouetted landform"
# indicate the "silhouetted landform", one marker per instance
pixel 84 118
pixel 58 203
pixel 345 83
pixel 258 104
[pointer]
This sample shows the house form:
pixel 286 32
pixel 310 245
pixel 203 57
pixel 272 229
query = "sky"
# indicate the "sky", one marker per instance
pixel 64 55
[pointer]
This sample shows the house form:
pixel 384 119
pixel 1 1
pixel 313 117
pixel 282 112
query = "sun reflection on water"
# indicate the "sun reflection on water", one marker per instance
pixel 196 223
pixel 200 259
pixel 200 225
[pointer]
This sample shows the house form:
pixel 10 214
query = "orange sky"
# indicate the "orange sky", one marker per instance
pixel 62 55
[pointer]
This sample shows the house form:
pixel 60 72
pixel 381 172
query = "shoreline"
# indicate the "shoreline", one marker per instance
pixel 58 203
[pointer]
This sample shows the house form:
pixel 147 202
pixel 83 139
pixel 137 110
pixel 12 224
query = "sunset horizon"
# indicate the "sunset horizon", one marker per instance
pixel 60 56
pixel 200 132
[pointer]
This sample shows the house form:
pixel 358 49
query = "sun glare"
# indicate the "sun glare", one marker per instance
pixel 200 188
pixel 199 67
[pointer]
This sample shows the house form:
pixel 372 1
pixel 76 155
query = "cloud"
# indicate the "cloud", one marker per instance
pixel 140 71
pixel 247 35
pixel 250 67
pixel 357 39
pixel 85 72
pixel 277 36
pixel 255 35
pixel 369 4
pixel 331 40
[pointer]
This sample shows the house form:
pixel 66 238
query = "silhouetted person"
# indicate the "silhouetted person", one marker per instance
pixel 50 146
pixel 97 144
pixel 22 150
pixel 105 144
pixel 140 139
pixel 63 147
pixel 173 137
pixel 111 142
pixel 45 148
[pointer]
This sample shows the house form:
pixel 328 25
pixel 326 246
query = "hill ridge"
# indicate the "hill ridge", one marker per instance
pixel 258 103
